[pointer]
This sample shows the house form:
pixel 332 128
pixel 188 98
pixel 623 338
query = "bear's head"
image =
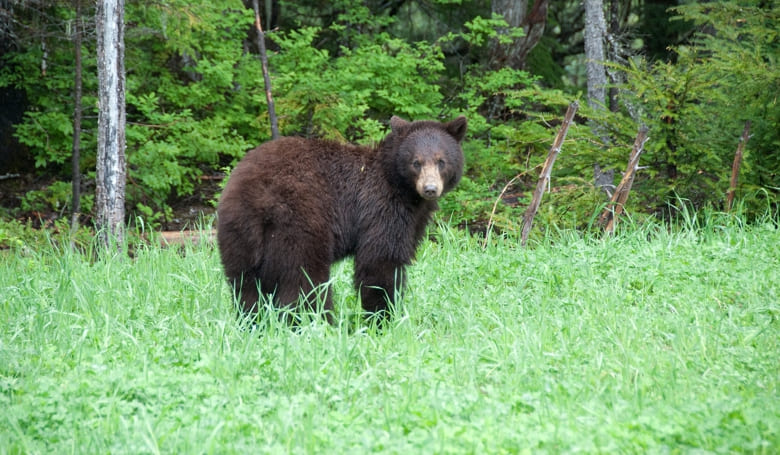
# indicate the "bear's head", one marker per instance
pixel 428 156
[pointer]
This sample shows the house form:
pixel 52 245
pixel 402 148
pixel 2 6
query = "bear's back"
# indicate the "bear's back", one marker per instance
pixel 297 177
pixel 301 159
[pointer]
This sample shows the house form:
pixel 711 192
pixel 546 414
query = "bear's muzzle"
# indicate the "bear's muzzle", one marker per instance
pixel 430 183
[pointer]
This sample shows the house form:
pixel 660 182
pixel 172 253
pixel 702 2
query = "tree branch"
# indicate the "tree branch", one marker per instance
pixel 544 177
pixel 266 78
pixel 735 166
pixel 620 196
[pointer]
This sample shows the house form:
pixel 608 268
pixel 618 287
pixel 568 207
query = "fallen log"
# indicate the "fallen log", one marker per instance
pixel 168 238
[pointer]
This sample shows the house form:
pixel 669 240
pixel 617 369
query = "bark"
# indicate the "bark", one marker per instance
pixel 75 158
pixel 735 166
pixel 111 167
pixel 544 177
pixel 266 77
pixel 614 30
pixel 603 178
pixel 532 22
pixel 595 35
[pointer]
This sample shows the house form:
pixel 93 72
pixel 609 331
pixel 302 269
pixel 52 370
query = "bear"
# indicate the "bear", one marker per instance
pixel 294 206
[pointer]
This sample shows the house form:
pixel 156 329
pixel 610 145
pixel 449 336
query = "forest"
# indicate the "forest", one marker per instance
pixel 697 74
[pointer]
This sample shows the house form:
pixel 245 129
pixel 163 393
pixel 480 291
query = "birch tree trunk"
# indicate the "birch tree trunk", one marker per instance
pixel 612 32
pixel 111 168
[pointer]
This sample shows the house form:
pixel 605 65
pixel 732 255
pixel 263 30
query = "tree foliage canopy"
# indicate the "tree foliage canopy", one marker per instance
pixel 196 100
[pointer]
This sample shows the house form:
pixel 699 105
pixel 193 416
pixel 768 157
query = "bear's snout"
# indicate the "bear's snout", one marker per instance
pixel 430 183
pixel 431 190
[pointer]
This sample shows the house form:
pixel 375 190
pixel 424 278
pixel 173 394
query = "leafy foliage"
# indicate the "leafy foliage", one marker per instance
pixel 347 96
pixel 44 73
pixel 738 54
pixel 196 100
pixel 187 109
pixel 696 108
pixel 189 99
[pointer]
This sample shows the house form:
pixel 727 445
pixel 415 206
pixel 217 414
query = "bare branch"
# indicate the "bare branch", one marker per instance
pixel 266 78
pixel 544 177
pixel 735 166
pixel 620 196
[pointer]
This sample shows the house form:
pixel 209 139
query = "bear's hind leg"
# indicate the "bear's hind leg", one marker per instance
pixel 299 271
pixel 308 287
pixel 379 284
pixel 246 295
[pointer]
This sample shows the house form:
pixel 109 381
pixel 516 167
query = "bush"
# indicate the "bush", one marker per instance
pixel 196 102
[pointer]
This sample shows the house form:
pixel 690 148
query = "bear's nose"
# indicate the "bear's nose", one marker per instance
pixel 430 190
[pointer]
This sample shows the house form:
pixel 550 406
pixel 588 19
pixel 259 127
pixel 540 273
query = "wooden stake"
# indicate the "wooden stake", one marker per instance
pixel 735 167
pixel 620 196
pixel 544 177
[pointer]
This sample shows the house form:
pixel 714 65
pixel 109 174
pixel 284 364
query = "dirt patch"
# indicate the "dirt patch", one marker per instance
pixel 192 211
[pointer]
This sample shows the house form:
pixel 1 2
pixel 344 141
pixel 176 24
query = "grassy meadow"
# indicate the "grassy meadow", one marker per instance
pixel 651 341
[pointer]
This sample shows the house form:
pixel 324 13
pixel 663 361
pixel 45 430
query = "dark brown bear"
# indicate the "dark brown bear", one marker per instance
pixel 293 206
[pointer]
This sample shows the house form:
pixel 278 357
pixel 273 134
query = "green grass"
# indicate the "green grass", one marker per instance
pixel 647 342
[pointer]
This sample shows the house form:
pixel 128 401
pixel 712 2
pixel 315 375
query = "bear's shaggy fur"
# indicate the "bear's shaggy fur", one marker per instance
pixel 293 206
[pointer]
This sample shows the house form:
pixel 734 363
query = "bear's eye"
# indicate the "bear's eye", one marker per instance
pixel 417 164
pixel 440 163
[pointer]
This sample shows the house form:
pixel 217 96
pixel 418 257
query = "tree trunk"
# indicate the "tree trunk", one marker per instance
pixel 75 158
pixel 614 30
pixel 595 33
pixel 516 14
pixel 111 168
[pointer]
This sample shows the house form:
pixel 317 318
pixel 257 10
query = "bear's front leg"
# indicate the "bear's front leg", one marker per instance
pixel 379 284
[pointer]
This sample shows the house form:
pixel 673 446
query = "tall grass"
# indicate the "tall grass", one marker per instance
pixel 648 341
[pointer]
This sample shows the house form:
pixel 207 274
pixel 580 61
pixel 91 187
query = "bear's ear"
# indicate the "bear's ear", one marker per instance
pixel 397 123
pixel 457 128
